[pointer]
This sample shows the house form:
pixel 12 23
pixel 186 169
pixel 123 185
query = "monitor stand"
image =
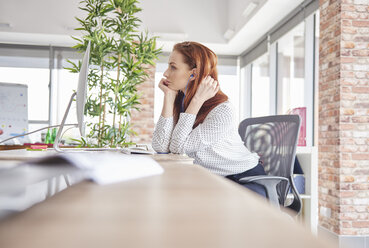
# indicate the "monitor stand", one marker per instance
pixel 58 135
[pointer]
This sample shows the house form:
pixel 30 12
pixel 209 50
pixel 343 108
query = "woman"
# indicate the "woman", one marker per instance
pixel 197 119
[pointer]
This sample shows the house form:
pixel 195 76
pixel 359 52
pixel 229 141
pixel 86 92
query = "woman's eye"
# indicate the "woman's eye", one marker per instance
pixel 172 67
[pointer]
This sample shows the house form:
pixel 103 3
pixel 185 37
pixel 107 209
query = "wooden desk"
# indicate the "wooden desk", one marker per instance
pixel 186 206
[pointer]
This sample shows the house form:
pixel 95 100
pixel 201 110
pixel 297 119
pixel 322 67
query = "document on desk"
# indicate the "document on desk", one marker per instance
pixel 105 167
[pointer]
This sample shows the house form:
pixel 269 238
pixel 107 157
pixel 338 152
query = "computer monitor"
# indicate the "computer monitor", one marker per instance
pixel 80 99
pixel 82 90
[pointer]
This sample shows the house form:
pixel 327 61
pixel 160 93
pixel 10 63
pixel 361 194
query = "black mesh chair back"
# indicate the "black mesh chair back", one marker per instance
pixel 274 139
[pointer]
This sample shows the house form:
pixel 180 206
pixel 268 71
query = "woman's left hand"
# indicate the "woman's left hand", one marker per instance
pixel 207 89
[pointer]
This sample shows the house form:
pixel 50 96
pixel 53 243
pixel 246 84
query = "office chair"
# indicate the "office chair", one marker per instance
pixel 274 139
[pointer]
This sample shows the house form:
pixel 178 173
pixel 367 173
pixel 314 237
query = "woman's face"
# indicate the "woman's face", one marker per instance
pixel 178 72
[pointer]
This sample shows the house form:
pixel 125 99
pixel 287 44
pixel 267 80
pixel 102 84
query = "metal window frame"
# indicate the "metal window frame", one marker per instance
pixel 258 49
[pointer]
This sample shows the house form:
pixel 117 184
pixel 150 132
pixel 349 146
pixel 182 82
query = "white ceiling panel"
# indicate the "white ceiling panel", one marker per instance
pixel 51 22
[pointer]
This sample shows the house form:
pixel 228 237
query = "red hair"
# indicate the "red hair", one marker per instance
pixel 205 61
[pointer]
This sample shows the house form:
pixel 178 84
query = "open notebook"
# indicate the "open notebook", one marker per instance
pixel 104 167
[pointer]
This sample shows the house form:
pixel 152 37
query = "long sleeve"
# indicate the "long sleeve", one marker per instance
pixel 215 127
pixel 162 134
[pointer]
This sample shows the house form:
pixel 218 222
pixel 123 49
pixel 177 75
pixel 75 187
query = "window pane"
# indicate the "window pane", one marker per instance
pixel 158 97
pixel 291 70
pixel 230 86
pixel 260 87
pixel 31 67
pixel 65 84
pixel 37 80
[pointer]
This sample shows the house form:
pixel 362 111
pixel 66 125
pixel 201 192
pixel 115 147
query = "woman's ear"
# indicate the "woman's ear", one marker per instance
pixel 193 75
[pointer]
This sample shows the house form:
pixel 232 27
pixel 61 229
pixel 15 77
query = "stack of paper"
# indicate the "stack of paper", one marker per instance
pixel 106 167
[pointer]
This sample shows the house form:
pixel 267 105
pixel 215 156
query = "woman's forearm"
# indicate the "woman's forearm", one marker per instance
pixel 168 105
pixel 195 105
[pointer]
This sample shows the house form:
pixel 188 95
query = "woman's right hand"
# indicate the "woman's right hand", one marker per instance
pixel 169 98
pixel 163 85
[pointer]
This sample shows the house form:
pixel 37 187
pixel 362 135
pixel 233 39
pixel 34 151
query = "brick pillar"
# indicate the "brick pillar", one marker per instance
pixel 143 121
pixel 344 119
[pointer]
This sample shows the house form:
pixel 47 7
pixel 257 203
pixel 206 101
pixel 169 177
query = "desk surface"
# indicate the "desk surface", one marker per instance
pixel 186 206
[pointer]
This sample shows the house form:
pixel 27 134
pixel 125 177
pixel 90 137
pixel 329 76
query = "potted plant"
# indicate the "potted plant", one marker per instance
pixel 119 58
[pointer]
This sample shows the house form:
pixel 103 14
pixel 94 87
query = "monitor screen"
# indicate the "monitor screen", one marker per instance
pixel 82 90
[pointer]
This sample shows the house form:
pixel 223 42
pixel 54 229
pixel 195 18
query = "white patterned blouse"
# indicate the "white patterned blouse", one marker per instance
pixel 214 144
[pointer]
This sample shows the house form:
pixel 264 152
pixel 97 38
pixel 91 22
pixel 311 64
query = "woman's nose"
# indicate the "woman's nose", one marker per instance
pixel 166 73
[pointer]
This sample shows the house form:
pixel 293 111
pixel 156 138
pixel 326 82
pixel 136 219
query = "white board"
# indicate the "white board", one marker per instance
pixel 13 112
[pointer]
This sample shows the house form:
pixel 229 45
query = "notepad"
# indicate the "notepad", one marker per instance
pixel 105 167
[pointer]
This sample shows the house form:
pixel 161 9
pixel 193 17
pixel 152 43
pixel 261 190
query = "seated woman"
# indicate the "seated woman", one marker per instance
pixel 197 119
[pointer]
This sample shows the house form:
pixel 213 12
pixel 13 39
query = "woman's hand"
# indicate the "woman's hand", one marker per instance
pixel 169 98
pixel 163 85
pixel 207 89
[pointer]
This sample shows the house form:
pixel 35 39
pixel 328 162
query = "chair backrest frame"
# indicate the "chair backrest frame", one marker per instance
pixel 275 139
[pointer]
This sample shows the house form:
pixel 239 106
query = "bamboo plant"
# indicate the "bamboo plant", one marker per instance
pixel 119 59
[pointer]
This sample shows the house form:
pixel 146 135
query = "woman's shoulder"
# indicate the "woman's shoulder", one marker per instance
pixel 227 105
pixel 225 108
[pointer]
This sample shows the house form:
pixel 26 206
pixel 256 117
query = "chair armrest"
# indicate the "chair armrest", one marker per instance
pixel 257 178
pixel 296 204
pixel 270 185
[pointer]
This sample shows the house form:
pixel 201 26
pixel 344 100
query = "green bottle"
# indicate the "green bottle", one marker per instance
pixel 53 135
pixel 48 137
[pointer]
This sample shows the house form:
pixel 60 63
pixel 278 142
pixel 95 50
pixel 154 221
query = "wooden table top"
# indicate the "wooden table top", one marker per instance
pixel 186 206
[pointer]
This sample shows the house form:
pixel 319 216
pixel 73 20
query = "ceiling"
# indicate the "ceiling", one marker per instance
pixel 51 22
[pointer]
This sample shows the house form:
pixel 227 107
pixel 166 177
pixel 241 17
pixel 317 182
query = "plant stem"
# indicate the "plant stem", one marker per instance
pixel 104 111
pixel 120 123
pixel 116 97
pixel 101 97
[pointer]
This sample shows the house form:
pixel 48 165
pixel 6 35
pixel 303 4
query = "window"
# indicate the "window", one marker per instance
pixel 158 95
pixel 282 80
pixel 30 67
pixel 229 84
pixel 65 84
pixel 291 70
pixel 260 87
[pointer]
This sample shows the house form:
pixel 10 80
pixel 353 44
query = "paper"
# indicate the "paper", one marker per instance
pixel 107 167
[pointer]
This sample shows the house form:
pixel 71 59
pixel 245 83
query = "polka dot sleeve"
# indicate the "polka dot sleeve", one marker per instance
pixel 214 128
pixel 162 134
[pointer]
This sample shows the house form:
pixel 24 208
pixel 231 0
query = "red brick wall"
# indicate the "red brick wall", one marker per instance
pixel 143 121
pixel 344 115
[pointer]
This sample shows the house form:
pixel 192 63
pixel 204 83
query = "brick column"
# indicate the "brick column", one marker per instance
pixel 344 119
pixel 143 121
